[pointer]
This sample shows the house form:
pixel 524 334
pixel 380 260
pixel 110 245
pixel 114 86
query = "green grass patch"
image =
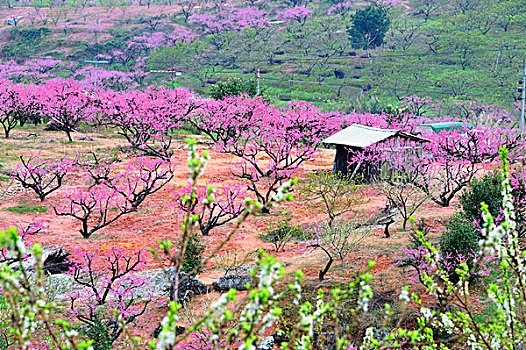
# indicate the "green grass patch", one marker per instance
pixel 185 132
pixel 25 208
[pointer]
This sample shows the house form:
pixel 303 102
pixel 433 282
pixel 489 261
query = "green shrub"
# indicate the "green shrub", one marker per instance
pixel 336 195
pixel 193 254
pixel 486 189
pixel 281 233
pixel 234 87
pixel 98 332
pixel 460 237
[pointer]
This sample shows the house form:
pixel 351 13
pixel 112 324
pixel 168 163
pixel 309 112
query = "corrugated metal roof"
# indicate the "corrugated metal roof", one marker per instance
pixel 437 127
pixel 362 136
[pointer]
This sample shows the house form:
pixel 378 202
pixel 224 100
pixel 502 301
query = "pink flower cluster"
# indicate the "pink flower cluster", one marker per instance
pixel 416 260
pixel 448 161
pixel 297 13
pixel 18 104
pixel 110 286
pixel 214 208
pixel 230 18
pixel 34 69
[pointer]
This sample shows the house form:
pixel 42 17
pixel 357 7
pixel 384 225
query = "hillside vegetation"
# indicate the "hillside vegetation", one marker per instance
pixel 451 51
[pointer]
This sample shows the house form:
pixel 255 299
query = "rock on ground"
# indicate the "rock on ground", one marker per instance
pixel 266 344
pixel 237 282
pixel 160 284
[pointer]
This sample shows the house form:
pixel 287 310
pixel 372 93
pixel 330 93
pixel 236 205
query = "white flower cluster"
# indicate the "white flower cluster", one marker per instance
pixel 269 274
pixel 308 321
pixel 282 191
pixel 365 295
pixel 404 295
pixel 167 335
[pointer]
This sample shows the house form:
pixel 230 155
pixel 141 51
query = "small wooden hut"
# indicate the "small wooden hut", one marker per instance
pixel 355 138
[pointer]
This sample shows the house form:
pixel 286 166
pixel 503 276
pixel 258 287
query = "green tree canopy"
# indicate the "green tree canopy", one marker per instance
pixel 369 27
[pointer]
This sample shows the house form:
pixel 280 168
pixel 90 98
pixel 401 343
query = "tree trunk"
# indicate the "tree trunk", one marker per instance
pixel 326 269
pixel 386 230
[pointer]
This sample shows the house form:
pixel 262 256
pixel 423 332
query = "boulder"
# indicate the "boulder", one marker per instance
pixel 243 270
pixel 59 286
pixel 266 344
pixel 188 288
pixel 52 126
pixel 56 260
pixel 237 282
pixel 161 284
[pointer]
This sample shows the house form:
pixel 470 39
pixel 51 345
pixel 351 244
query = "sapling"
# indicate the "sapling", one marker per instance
pixel 96 208
pixel 43 176
pixel 280 233
pixel 111 296
pixel 335 194
pixel 233 260
pixel 339 240
pixel 404 196
pixel 193 255
pixel 214 206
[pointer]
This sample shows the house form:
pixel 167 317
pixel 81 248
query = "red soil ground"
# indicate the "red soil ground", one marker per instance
pixel 158 219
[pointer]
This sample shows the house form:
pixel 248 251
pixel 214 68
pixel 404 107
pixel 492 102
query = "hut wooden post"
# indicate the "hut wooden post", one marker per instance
pixel 341 165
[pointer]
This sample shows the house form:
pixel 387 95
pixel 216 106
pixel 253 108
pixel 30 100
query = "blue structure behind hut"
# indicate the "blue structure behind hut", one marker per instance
pixel 356 138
